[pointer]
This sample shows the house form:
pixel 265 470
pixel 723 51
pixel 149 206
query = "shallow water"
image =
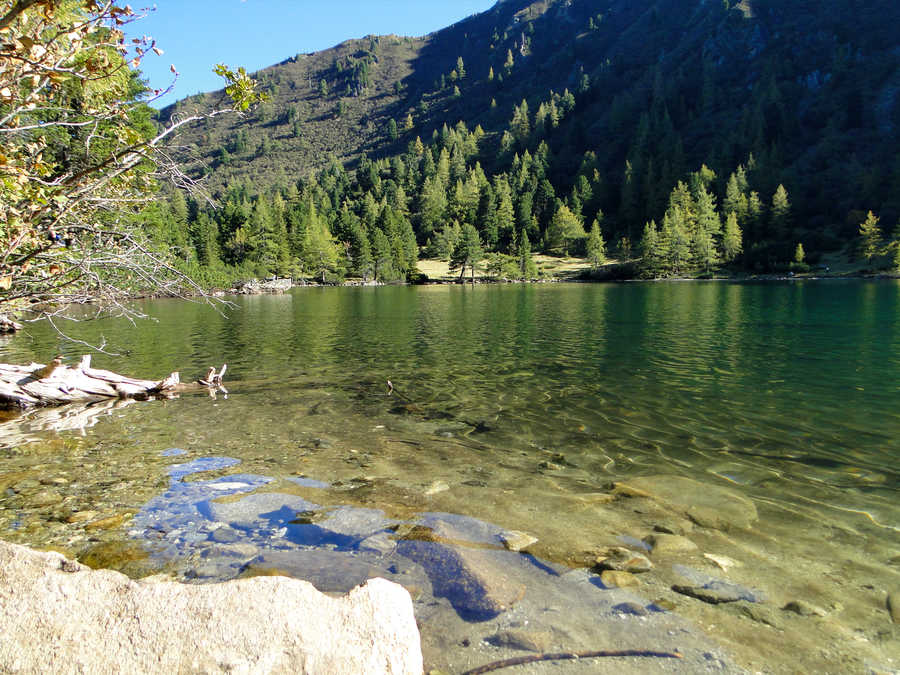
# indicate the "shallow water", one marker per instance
pixel 519 406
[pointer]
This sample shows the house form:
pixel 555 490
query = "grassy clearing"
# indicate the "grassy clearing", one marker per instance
pixel 549 267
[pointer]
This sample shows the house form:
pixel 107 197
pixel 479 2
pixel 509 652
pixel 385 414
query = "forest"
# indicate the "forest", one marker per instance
pixel 707 139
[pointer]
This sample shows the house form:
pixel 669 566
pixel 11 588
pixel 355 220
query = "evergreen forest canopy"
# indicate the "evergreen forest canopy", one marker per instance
pixel 686 137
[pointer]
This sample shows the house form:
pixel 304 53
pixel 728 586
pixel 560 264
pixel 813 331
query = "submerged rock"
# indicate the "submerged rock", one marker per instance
pixel 55 620
pixel 713 595
pixel 517 541
pixel 524 640
pixel 893 606
pixel 253 509
pixel 620 559
pixel 474 580
pixel 613 579
pixel 803 608
pixel 663 544
pixel 707 504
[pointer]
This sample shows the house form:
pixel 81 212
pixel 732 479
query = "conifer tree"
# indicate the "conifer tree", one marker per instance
pixel 651 255
pixel 596 247
pixel 565 227
pixel 320 252
pixel 735 200
pixel 468 252
pixel 520 126
pixel 869 237
pixel 527 267
pixel 799 254
pixel 731 241
pixel 382 257
pixel 781 212
pixel 359 252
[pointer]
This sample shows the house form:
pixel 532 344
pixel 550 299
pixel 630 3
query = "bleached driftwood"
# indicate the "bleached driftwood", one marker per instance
pixel 54 384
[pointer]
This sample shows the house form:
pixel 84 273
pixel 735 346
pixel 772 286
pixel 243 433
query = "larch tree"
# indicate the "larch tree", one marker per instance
pixel 869 237
pixel 781 212
pixel 596 247
pixel 732 244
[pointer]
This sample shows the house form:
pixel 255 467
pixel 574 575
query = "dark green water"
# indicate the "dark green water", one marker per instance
pixel 511 404
pixel 804 377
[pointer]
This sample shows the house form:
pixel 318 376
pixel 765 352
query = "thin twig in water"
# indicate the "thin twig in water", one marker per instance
pixel 568 656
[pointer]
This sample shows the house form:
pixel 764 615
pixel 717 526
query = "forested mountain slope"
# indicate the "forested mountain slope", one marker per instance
pixel 598 106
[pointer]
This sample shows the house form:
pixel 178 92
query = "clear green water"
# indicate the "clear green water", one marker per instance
pixel 522 400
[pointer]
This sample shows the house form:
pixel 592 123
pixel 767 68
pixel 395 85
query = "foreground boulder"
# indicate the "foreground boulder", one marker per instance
pixel 57 615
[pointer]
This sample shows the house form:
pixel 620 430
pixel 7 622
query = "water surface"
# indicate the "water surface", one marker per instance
pixel 522 406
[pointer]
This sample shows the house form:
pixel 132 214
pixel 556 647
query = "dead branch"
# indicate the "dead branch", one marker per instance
pixel 569 656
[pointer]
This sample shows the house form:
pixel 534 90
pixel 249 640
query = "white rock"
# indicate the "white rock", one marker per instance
pixel 102 622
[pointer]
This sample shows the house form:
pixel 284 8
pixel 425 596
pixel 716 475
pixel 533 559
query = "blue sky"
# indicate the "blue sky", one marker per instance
pixel 196 34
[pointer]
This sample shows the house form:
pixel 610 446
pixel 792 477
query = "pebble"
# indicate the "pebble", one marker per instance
pixel 661 544
pixel 612 578
pixel 803 608
pixel 516 541
pixel 893 606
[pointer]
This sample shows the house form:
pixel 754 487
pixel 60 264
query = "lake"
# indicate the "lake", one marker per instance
pixel 739 436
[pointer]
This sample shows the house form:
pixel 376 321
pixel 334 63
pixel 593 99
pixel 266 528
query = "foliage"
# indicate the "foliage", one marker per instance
pixel 869 237
pixel 78 152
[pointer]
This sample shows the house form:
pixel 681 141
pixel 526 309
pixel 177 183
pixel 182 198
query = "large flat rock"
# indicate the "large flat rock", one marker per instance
pixel 59 616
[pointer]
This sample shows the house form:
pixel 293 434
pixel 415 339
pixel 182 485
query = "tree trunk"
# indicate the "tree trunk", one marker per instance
pixel 37 385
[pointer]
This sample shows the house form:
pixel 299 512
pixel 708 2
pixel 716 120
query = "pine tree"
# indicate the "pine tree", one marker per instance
pixel 460 68
pixel 596 247
pixel 491 74
pixel 510 62
pixel 869 237
pixel 408 125
pixel 799 254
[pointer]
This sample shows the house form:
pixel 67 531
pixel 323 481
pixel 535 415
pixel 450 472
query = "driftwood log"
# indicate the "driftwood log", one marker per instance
pixel 53 384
